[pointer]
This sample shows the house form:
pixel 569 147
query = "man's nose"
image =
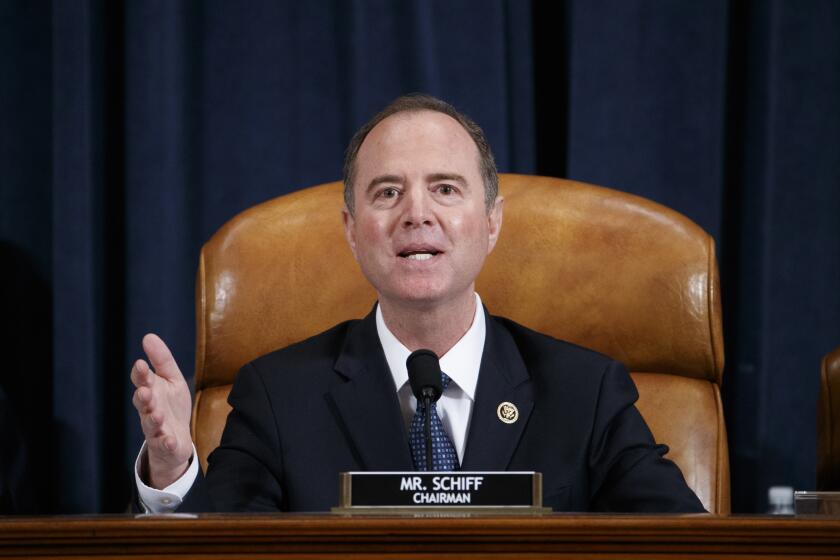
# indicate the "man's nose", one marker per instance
pixel 417 208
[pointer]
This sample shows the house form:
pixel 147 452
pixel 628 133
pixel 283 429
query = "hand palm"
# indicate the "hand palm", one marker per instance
pixel 163 402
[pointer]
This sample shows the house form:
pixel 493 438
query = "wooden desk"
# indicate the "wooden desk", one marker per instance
pixel 327 536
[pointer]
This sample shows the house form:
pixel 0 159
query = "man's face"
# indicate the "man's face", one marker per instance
pixel 421 230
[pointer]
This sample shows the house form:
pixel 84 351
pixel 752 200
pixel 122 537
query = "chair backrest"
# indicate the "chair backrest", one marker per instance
pixel 828 423
pixel 607 270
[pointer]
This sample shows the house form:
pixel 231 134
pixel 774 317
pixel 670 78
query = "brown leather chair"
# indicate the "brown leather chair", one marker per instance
pixel 828 424
pixel 601 268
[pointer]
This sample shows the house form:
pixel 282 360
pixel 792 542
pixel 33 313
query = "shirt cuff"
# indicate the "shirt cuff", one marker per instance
pixel 170 498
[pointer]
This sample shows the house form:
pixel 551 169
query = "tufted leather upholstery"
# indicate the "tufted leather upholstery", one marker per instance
pixel 608 270
pixel 828 424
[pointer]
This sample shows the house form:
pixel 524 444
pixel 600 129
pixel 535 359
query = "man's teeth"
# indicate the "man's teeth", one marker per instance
pixel 420 256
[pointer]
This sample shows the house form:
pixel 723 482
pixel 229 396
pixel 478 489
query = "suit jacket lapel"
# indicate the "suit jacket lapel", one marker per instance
pixel 367 402
pixel 502 377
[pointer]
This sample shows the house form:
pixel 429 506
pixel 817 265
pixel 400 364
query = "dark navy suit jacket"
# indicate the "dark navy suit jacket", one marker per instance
pixel 328 404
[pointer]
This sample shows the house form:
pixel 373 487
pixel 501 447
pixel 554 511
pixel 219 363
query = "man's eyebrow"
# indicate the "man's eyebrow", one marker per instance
pixel 383 179
pixel 435 177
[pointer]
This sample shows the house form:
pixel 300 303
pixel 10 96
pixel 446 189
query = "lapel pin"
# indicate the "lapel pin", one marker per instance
pixel 507 412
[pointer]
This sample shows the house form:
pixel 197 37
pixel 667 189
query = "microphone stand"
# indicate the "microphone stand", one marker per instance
pixel 428 393
pixel 425 378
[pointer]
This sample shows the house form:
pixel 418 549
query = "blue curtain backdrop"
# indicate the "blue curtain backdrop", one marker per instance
pixel 129 132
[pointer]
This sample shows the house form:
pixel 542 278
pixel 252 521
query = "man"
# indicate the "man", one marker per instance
pixel 422 212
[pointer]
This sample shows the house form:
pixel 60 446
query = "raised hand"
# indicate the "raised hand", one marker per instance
pixel 162 400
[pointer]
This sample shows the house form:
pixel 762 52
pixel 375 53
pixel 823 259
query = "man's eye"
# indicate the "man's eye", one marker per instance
pixel 446 189
pixel 388 193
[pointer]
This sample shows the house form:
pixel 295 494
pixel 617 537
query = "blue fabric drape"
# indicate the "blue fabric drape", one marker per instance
pixel 131 132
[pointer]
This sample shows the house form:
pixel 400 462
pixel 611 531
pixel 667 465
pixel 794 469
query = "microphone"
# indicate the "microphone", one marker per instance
pixel 424 376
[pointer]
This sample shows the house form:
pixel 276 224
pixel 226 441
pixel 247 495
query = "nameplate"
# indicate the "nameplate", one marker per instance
pixel 817 504
pixel 458 490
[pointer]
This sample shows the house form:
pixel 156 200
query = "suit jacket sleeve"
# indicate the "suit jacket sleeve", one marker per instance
pixel 244 473
pixel 627 469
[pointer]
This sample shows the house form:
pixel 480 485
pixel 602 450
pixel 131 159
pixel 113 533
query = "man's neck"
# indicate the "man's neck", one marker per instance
pixel 437 327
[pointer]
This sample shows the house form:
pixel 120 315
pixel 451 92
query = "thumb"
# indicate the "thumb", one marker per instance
pixel 161 358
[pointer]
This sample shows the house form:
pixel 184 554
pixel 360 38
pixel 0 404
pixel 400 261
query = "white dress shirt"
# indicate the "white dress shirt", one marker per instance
pixel 168 499
pixel 461 363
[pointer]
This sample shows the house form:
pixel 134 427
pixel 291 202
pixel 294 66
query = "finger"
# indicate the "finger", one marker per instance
pixel 143 400
pixel 169 443
pixel 141 375
pixel 139 402
pixel 151 430
pixel 164 442
pixel 161 358
pixel 152 425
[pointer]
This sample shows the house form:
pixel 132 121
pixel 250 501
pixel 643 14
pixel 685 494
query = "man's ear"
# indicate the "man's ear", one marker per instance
pixel 349 229
pixel 494 221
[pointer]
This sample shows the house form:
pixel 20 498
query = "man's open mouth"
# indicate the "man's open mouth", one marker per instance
pixel 421 255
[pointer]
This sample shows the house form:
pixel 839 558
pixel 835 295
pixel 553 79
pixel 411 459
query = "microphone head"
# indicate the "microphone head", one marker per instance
pixel 424 373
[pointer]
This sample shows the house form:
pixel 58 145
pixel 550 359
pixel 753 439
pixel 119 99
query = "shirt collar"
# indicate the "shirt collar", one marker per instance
pixel 461 363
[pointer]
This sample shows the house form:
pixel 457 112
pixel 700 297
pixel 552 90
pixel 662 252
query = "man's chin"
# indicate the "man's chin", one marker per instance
pixel 423 297
pixel 428 298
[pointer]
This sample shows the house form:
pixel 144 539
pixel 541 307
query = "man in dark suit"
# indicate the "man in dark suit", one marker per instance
pixel 422 212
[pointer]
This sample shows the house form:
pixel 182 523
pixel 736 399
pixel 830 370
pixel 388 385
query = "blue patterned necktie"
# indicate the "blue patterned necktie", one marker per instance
pixel 444 457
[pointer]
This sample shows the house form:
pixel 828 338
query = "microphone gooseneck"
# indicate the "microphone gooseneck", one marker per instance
pixel 426 384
